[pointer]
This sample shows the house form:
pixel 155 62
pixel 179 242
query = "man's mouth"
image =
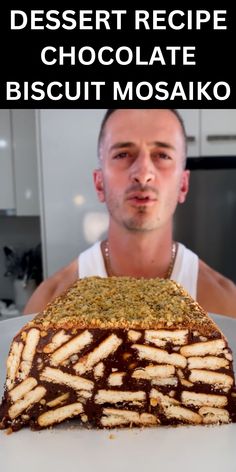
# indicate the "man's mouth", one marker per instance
pixel 140 198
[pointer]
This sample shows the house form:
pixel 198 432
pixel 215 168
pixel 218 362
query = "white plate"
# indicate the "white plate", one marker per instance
pixel 67 448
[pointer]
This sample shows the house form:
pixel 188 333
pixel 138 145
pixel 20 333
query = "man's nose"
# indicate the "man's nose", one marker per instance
pixel 142 170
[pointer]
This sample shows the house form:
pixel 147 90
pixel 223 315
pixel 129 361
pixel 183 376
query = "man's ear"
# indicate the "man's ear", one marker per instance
pixel 184 186
pixel 98 182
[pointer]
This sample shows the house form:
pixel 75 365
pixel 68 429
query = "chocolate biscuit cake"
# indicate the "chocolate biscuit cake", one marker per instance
pixel 116 352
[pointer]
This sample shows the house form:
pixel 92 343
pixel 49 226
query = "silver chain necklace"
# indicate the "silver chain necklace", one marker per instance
pixel 170 268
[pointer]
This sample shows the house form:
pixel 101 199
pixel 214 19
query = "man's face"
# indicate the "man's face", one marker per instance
pixel 142 177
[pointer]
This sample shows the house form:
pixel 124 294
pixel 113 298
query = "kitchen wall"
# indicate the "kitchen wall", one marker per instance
pixel 22 233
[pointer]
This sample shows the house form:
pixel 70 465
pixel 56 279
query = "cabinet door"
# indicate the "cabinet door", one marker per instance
pixel 218 132
pixel 191 119
pixel 7 198
pixel 25 162
pixel 70 206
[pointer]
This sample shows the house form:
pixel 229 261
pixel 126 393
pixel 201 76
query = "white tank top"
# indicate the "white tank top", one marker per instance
pixel 185 270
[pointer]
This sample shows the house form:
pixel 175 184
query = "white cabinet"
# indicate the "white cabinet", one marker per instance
pixel 218 130
pixel 191 119
pixel 18 162
pixel 25 162
pixel 7 196
pixel 210 132
pixel 71 210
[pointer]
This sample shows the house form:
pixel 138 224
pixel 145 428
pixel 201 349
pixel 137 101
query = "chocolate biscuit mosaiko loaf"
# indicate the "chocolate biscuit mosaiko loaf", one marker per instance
pixel 116 352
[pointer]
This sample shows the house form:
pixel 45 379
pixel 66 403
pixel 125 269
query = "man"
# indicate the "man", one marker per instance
pixel 142 178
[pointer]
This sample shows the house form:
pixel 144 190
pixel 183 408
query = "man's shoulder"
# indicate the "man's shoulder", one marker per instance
pixel 216 293
pixel 52 287
pixel 64 278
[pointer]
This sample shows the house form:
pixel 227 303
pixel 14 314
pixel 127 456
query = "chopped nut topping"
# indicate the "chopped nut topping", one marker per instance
pixel 43 334
pixel 126 302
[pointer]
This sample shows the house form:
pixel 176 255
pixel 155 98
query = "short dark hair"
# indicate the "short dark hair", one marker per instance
pixel 110 111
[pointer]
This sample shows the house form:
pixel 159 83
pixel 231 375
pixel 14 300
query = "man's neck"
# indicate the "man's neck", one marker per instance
pixel 136 254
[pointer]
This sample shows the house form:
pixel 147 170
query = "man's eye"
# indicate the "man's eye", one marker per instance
pixel 121 155
pixel 162 155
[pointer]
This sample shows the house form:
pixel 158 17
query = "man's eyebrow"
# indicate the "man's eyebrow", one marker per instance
pixel 121 144
pixel 162 144
pixel 125 144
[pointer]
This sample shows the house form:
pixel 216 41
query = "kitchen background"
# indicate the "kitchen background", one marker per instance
pixel 48 207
